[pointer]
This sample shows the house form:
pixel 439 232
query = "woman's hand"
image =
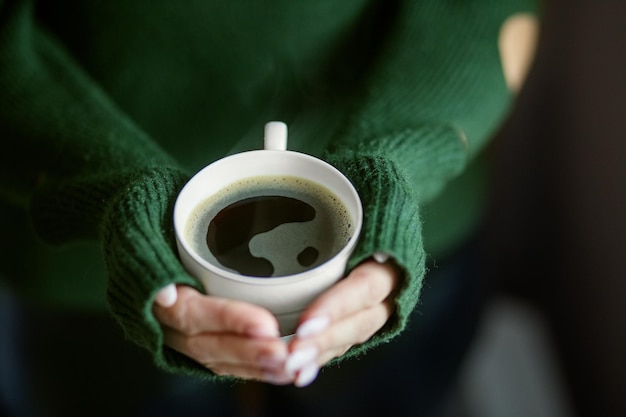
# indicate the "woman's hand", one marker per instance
pixel 240 339
pixel 346 315
pixel 226 336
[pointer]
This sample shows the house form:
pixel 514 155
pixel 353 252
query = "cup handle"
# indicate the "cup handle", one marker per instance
pixel 275 136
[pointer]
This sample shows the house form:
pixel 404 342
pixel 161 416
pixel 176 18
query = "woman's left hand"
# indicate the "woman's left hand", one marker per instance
pixel 346 315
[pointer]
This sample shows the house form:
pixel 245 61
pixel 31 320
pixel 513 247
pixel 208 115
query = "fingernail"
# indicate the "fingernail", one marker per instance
pixel 380 257
pixel 307 375
pixel 313 326
pixel 300 358
pixel 167 296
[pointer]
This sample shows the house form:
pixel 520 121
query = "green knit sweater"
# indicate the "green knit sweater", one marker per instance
pixel 108 107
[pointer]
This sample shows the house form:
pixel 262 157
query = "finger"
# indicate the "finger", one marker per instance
pixel 347 333
pixel 338 338
pixel 306 375
pixel 272 376
pixel 195 313
pixel 366 286
pixel 302 366
pixel 217 350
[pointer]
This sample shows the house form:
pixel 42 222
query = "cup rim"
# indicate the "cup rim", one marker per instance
pixel 180 224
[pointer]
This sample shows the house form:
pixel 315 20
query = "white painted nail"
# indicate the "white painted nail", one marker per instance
pixel 307 375
pixel 380 257
pixel 300 358
pixel 313 326
pixel 167 296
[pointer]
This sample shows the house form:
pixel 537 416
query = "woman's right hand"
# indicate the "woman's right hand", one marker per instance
pixel 226 336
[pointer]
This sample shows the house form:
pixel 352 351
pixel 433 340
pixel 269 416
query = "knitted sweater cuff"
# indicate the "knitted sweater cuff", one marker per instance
pixel 140 254
pixel 391 225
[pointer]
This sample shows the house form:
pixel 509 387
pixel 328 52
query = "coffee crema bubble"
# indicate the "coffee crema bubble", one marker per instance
pixel 270 226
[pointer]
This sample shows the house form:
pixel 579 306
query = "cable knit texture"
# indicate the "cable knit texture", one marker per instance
pixel 110 106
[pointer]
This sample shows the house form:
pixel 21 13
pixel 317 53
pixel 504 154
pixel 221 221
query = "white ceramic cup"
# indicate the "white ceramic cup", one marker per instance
pixel 285 296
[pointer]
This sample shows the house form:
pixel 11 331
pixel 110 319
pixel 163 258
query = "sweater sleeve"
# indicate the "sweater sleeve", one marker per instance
pixel 84 170
pixel 430 103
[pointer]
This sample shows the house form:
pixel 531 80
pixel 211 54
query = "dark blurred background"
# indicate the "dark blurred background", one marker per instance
pixel 557 226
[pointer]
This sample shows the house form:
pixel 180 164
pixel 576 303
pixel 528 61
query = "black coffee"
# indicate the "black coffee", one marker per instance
pixel 271 226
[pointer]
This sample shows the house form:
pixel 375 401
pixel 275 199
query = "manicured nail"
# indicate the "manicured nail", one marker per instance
pixel 307 375
pixel 167 296
pixel 300 358
pixel 312 326
pixel 380 257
